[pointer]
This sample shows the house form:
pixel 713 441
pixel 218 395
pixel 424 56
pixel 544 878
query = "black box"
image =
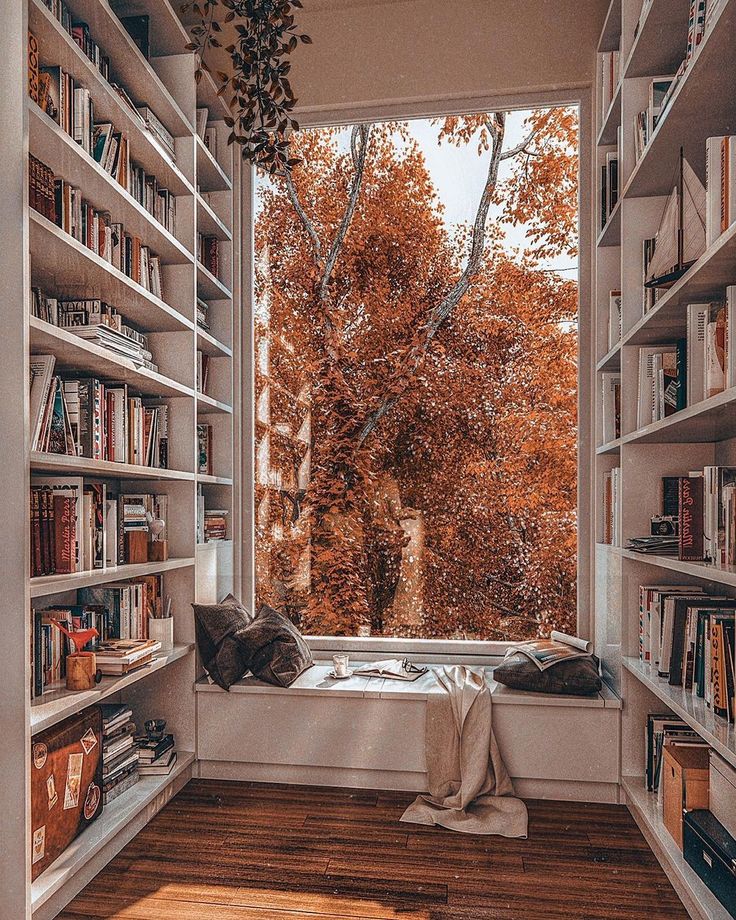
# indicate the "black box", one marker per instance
pixel 711 851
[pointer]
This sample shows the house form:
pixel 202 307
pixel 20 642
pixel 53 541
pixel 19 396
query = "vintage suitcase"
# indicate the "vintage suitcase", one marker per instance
pixel 711 851
pixel 66 784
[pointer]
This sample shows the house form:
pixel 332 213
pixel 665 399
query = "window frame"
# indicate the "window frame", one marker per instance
pixel 437 650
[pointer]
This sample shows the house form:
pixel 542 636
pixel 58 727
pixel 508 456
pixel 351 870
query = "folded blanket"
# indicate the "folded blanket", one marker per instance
pixel 470 789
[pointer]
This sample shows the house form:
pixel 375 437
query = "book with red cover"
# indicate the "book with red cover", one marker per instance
pixel 691 544
pixel 65 530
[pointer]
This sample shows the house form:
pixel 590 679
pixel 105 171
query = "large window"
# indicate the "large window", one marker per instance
pixel 416 378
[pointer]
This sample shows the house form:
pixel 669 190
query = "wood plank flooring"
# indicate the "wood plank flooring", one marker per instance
pixel 242 851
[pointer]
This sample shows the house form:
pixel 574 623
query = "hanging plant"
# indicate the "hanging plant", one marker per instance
pixel 261 98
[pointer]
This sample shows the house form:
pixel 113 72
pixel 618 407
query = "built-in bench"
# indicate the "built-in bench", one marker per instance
pixel 369 733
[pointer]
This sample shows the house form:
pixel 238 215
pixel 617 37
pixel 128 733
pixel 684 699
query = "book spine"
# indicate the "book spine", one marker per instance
pixel 691 543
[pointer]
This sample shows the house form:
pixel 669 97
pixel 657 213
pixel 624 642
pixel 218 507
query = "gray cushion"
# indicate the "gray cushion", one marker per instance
pixel 578 677
pixel 232 641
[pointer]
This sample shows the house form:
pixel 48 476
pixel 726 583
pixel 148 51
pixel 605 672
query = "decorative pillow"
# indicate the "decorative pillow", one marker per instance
pixel 217 627
pixel 274 648
pixel 578 677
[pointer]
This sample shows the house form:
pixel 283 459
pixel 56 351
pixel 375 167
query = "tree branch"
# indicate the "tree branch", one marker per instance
pixel 302 215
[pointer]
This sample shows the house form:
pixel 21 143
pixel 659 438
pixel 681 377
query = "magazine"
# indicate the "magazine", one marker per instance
pixel 545 653
pixel 392 668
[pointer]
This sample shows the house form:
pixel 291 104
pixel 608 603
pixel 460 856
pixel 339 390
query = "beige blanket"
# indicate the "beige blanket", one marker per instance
pixel 469 787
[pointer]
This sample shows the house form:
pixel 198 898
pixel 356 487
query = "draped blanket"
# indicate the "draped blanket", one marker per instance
pixel 470 789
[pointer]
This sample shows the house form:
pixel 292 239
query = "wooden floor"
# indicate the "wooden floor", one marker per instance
pixel 238 851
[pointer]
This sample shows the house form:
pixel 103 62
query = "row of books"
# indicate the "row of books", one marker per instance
pixel 78 527
pixel 698 367
pixel 720 186
pixel 611 405
pixel 646 121
pixel 208 253
pixel 80 32
pixel 688 636
pixel 204 449
pixel 609 186
pixel 612 507
pixel 208 135
pixel 64 205
pixel 609 63
pixel 94 320
pixel 663 729
pixel 119 751
pixel 203 371
pixel 86 417
pixel 699 511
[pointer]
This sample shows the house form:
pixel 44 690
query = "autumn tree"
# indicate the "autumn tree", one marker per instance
pixel 440 371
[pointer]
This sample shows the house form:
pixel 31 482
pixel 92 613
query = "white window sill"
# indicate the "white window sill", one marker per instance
pixel 316 683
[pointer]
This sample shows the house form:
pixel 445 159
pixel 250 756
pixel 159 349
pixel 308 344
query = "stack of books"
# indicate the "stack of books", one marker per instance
pixel 665 729
pixel 120 656
pixel 119 753
pixel 156 758
pixel 202 309
pixel 215 525
pixel 208 253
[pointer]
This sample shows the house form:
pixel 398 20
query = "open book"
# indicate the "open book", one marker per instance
pixel 393 668
pixel 545 653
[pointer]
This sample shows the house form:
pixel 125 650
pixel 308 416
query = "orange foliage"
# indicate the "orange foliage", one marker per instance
pixel 455 515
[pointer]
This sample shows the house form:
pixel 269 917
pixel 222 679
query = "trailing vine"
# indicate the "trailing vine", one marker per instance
pixel 261 98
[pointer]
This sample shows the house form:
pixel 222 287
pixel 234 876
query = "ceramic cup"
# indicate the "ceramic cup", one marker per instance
pixel 340 664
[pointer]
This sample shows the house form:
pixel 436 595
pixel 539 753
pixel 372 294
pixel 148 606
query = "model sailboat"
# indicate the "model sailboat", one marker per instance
pixel 680 239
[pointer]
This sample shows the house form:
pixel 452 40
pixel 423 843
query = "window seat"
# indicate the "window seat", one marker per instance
pixel 369 733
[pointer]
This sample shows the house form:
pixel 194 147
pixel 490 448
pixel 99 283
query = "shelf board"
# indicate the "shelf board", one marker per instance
pixel 667 320
pixel 64 267
pixel 129 68
pixel 719 575
pixel 611 361
pixel 610 447
pixel 211 177
pixel 648 815
pixel 101 469
pixel 698 109
pixel 661 41
pixel 67 159
pixel 611 120
pixel 75 353
pixel 56 705
pixel 206 405
pixel 145 150
pixel 209 345
pixel 53 584
pixel 112 821
pixel 207 96
pixel 205 479
pixel 209 223
pixel 709 420
pixel 611 33
pixel 610 235
pixel 719 733
pixel 209 287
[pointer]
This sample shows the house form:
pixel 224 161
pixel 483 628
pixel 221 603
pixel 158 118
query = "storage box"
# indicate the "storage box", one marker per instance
pixel 66 784
pixel 723 792
pixel 685 784
pixel 711 851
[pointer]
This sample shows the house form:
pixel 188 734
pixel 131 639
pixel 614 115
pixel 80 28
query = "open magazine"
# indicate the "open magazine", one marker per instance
pixel 545 653
pixel 392 668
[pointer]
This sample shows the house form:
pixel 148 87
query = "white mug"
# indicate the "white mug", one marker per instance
pixel 340 665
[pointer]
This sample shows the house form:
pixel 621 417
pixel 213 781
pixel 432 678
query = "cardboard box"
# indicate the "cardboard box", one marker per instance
pixel 723 792
pixel 685 785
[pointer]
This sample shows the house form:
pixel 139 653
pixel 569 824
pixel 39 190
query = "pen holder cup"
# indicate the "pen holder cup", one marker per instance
pixel 163 631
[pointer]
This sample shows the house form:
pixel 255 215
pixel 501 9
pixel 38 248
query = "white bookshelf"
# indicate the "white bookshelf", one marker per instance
pixel 37 253
pixel 651 36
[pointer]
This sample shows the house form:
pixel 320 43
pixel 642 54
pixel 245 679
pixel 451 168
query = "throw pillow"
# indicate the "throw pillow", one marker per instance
pixel 216 627
pixel 274 648
pixel 578 677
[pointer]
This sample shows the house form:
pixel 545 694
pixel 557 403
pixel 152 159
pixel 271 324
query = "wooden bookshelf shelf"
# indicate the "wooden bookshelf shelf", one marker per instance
pixel 711 419
pixel 102 469
pixel 610 447
pixel 206 405
pixel 719 733
pixel 214 480
pixel 209 287
pixel 611 34
pixel 53 584
pixel 698 109
pixel 611 121
pixel 75 353
pixel 60 152
pixel 129 68
pixel 610 235
pixel 212 177
pixel 667 320
pixel 209 223
pixel 56 705
pixel 109 106
pixel 65 267
pixel 122 818
pixel 208 97
pixel 717 575
pixel 208 344
pixel 648 815
pixel 611 361
pixel 660 42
